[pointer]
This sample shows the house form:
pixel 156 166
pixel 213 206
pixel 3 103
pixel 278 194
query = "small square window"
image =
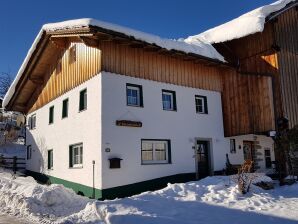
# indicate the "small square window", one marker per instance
pixel 134 95
pixel 51 115
pixel 76 155
pixel 83 100
pixel 50 159
pixel 65 108
pixel 201 104
pixel 29 152
pixel 169 100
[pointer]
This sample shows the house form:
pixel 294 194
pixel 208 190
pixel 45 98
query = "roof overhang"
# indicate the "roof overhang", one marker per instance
pixel 28 80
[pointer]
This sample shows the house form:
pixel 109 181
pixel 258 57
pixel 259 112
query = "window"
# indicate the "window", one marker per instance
pixel 51 115
pixel 59 67
pixel 232 146
pixel 83 100
pixel 29 151
pixel 134 95
pixel 32 121
pixel 169 100
pixel 72 54
pixel 156 151
pixel 201 104
pixel 65 108
pixel 50 159
pixel 76 155
pixel 268 162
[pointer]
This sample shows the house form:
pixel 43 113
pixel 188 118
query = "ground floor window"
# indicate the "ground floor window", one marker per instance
pixel 29 151
pixel 156 151
pixel 76 155
pixel 50 159
pixel 268 162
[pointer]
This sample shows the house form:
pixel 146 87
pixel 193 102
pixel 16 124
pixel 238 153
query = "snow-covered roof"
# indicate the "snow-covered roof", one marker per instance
pixel 249 23
pixel 198 47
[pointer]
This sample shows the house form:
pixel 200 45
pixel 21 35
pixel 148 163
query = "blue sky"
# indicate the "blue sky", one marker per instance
pixel 21 20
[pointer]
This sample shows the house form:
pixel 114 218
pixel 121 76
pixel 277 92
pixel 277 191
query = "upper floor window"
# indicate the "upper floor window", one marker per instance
pixel 65 108
pixel 72 54
pixel 76 155
pixel 32 121
pixel 201 104
pixel 134 95
pixel 51 115
pixel 169 100
pixel 156 151
pixel 83 100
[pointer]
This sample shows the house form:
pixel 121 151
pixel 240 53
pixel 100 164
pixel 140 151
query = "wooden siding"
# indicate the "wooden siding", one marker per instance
pixel 286 34
pixel 86 66
pixel 247 104
pixel 136 62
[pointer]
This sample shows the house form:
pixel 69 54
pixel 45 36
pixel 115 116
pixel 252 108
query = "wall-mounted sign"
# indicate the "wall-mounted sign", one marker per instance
pixel 127 123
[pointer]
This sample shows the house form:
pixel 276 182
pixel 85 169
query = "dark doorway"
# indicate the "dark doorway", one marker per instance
pixel 203 158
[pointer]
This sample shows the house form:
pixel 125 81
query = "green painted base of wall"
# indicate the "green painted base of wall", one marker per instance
pixel 115 192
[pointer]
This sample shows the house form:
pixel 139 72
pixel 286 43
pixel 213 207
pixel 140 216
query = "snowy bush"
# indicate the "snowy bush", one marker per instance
pixel 244 178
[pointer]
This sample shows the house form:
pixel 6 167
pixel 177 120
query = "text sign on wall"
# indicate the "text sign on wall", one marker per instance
pixel 127 123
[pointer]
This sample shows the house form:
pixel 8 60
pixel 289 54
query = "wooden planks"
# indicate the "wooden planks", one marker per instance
pixel 136 62
pixel 286 34
pixel 86 65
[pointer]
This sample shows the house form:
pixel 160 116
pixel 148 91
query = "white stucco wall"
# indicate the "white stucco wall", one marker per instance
pixel 181 127
pixel 79 127
pixel 263 141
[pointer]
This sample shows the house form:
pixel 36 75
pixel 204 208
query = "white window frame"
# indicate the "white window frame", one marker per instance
pixel 51 166
pixel 32 118
pixel 79 156
pixel 203 104
pixel 154 161
pixel 172 100
pixel 138 99
pixel 29 152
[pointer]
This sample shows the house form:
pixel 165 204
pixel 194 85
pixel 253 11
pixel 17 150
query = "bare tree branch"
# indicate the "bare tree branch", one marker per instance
pixel 5 82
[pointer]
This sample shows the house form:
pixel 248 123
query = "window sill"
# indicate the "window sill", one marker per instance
pixel 63 118
pixel 201 113
pixel 169 110
pixel 135 106
pixel 76 167
pixel 156 163
pixel 82 110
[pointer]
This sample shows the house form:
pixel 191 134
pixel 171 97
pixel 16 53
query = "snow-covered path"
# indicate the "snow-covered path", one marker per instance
pixel 5 219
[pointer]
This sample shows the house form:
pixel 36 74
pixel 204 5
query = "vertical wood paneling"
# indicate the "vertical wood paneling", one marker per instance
pixel 87 65
pixel 286 34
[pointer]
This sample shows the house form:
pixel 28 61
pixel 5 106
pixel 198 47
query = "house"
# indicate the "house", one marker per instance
pixel 113 111
pixel 262 43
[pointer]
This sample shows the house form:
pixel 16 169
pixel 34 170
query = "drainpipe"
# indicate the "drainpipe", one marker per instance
pixel 93 185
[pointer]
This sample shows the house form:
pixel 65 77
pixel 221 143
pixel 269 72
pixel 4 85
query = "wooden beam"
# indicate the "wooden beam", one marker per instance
pixel 59 42
pixel 36 80
pixel 91 42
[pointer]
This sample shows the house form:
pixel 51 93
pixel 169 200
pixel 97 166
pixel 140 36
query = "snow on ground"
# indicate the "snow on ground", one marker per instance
pixel 211 200
pixel 249 23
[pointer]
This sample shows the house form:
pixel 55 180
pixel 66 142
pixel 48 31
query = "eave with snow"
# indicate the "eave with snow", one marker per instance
pixel 91 32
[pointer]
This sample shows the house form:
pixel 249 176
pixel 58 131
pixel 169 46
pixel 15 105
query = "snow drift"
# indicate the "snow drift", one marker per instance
pixel 208 201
